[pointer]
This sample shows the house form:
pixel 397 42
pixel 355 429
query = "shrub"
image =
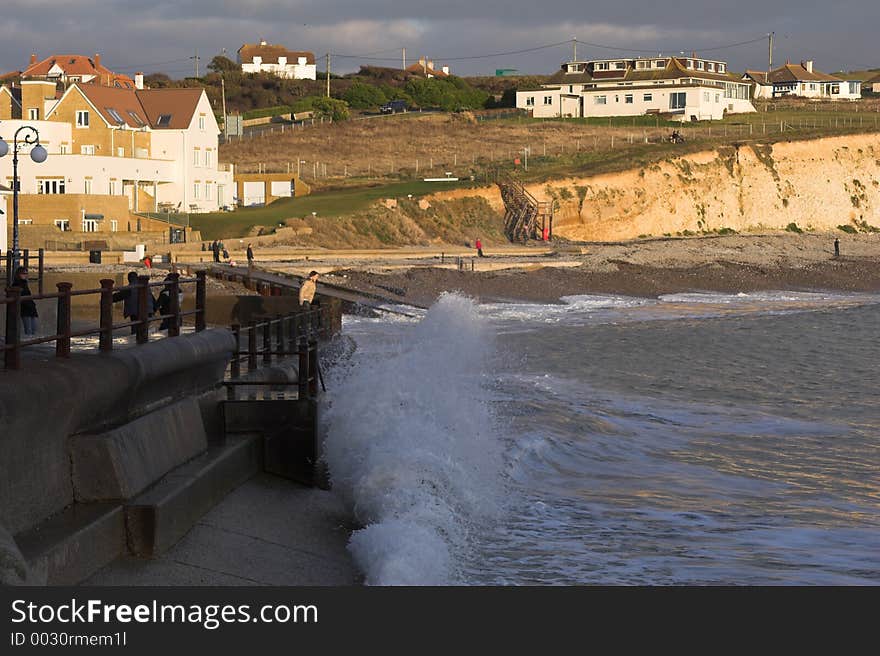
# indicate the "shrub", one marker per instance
pixel 847 229
pixel 793 227
pixel 726 231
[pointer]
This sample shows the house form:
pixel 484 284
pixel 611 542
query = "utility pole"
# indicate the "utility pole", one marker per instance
pixel 225 117
pixel 404 59
pixel 770 54
pixel 328 74
pixel 196 58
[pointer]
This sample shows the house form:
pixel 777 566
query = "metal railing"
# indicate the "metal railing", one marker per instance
pixel 293 334
pixel 24 259
pixel 14 345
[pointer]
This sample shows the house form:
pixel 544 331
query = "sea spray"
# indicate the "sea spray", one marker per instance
pixel 411 448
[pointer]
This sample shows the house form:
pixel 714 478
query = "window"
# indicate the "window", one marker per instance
pixel 219 194
pixel 706 96
pixel 601 66
pixel 619 66
pixel 628 99
pixel 196 157
pixel 677 100
pixel 699 66
pixel 648 97
pixel 202 123
pixel 690 63
pixel 616 98
pixel 640 65
pixel 63 149
pixel 50 186
pixel 114 225
pixel 710 67
pixel 26 221
pixel 721 68
pixel 89 225
pixel 87 186
pixel 196 188
pixel 600 100
pixel 548 100
pixel 120 152
pixel 87 150
pixel 63 224
pixel 33 114
pixel 137 119
pixel 82 118
pixel 208 159
pixel 530 101
pixel 115 116
pixel 113 187
pixel 717 97
pixel 164 121
pixel 660 63
pixel 207 191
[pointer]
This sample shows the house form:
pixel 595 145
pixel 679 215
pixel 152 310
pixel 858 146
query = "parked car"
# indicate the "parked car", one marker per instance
pixel 393 107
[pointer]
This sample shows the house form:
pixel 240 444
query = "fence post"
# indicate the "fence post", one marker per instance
pixel 174 310
pixel 235 365
pixel 12 359
pixel 267 342
pixel 313 365
pixel 291 334
pixel 303 369
pixel 201 297
pixel 252 345
pixel 279 337
pixel 62 344
pixel 142 330
pixel 106 338
pixel 41 254
pixel 26 261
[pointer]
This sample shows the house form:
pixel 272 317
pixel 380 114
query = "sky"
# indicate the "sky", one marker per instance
pixel 164 36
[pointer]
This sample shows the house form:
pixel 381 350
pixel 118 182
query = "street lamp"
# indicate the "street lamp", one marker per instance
pixel 38 155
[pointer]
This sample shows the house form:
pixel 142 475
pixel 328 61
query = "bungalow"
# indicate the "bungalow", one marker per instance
pixel 803 81
pixel 873 84
pixel 277 60
pixel 425 68
pixel 689 88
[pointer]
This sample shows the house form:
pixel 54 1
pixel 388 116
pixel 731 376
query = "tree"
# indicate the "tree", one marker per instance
pixel 330 108
pixel 221 64
pixel 364 96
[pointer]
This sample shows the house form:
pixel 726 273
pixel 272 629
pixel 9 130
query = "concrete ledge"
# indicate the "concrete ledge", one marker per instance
pixel 126 460
pixel 69 547
pixel 162 515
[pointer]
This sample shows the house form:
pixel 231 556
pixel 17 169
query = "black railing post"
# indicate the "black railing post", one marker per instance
pixel 267 342
pixel 142 330
pixel 40 262
pixel 105 341
pixel 313 367
pixel 62 344
pixel 174 310
pixel 279 337
pixel 252 345
pixel 201 300
pixel 12 359
pixel 235 364
pixel 27 258
pixel 303 377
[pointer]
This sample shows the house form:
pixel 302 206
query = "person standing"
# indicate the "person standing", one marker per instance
pixel 307 290
pixel 215 250
pixel 29 307
pixel 836 247
pixel 129 300
pixel 250 255
pixel 479 246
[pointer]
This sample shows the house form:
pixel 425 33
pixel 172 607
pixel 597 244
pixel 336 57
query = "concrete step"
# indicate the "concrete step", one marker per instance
pixel 73 544
pixel 162 515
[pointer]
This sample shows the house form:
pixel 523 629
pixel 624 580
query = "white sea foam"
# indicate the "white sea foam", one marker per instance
pixel 411 447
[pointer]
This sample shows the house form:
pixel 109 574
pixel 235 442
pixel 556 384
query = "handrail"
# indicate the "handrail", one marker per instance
pixel 13 344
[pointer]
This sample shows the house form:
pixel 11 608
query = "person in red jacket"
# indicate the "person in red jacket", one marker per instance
pixel 479 246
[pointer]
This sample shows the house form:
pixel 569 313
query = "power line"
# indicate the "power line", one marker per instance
pixel 486 56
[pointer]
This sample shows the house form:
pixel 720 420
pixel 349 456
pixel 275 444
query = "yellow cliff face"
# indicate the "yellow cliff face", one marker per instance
pixel 818 184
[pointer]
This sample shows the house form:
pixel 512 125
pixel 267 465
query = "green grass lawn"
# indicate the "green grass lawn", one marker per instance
pixel 325 204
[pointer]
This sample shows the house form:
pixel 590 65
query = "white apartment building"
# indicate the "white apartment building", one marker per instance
pixel 277 60
pixel 804 81
pixel 689 88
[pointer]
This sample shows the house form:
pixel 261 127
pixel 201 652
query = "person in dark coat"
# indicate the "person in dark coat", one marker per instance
pixel 215 249
pixel 130 301
pixel 250 255
pixel 163 303
pixel 29 307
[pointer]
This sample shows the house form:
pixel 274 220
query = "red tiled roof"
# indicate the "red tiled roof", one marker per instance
pixel 270 53
pixel 799 73
pixel 78 65
pixel 419 69
pixel 179 104
pixel 123 102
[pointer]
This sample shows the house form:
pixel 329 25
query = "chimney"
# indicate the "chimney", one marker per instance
pixel 97 60
pixel 33 58
pixel 262 41
pixel 138 80
pixel 809 65
pixel 431 65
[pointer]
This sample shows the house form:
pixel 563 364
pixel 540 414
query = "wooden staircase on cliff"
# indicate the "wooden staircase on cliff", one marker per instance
pixel 525 217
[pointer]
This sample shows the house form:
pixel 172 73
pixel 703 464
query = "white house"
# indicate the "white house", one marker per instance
pixel 873 84
pixel 689 88
pixel 157 147
pixel 277 60
pixel 804 81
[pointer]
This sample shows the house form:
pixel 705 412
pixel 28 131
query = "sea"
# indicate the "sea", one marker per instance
pixel 691 439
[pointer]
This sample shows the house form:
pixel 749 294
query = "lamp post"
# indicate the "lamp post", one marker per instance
pixel 38 155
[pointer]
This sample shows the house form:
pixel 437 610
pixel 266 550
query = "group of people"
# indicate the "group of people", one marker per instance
pixel 218 248
pixel 160 304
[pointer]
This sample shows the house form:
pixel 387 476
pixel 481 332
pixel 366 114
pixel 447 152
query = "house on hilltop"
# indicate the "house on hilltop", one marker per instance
pixel 873 84
pixel 425 68
pixel 803 81
pixel 689 88
pixel 277 60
